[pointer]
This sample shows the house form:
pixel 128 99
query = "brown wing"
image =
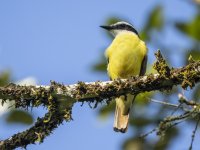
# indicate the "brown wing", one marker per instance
pixel 143 66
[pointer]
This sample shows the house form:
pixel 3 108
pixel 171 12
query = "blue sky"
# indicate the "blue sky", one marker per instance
pixel 60 40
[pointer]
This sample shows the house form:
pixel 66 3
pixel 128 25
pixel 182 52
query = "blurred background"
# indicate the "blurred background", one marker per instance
pixel 61 40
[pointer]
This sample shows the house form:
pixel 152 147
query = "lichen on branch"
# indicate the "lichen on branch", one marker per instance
pixel 59 98
pixel 44 126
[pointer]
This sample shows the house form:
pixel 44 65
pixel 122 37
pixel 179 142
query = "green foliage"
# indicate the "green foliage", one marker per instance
pixel 196 93
pixel 164 142
pixel 101 65
pixel 155 22
pixel 155 19
pixel 14 116
pixel 104 112
pixel 112 20
pixel 43 126
pixel 19 116
pixel 191 29
pixel 136 144
pixel 140 122
pixel 194 53
pixel 4 78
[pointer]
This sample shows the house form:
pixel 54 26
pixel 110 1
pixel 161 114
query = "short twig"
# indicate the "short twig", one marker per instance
pixel 164 103
pixel 183 100
pixel 176 109
pixel 148 133
pixel 194 133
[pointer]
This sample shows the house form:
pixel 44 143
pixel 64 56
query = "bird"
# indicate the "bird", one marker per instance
pixel 126 57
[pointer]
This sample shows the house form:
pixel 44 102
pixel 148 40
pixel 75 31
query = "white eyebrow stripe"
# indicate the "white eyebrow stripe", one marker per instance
pixel 122 22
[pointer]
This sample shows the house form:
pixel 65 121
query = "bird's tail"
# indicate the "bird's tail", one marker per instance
pixel 121 120
pixel 123 105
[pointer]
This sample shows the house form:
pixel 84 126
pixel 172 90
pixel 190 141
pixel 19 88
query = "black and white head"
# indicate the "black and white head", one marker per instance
pixel 120 27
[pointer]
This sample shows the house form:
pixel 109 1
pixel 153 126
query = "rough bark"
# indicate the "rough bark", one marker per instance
pixel 52 96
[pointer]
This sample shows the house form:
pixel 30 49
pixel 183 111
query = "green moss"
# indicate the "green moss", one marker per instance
pixel 189 76
pixel 30 96
pixel 43 126
pixel 161 66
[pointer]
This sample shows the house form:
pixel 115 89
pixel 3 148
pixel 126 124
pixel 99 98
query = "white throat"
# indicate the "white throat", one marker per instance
pixel 117 32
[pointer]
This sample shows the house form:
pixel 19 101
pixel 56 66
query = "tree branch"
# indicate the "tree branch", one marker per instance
pixel 51 96
pixel 42 128
pixel 36 95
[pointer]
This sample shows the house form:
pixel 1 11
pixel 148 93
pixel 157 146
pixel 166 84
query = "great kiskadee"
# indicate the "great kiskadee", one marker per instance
pixel 127 56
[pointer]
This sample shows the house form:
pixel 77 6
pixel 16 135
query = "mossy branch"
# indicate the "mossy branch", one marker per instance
pixel 42 128
pixel 36 95
pixel 51 96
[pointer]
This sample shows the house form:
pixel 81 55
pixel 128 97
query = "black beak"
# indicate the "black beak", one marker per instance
pixel 106 27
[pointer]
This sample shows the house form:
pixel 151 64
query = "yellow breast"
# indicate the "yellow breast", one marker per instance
pixel 125 55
